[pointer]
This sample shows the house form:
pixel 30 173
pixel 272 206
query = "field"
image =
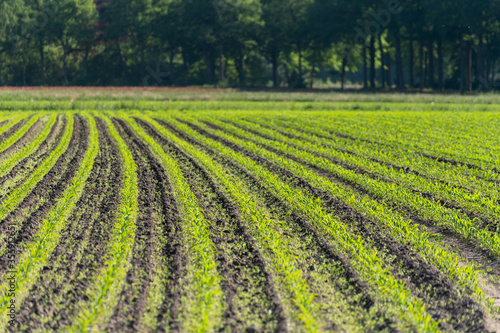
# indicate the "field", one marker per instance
pixel 249 212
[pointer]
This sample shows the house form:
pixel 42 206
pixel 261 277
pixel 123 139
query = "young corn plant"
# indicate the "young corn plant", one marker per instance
pixel 363 258
pixel 203 307
pixel 104 291
pixel 39 250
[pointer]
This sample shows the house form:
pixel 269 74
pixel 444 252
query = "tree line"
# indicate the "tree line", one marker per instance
pixel 391 44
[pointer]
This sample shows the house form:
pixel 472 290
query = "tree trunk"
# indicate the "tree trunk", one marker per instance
pixel 412 65
pixel 239 63
pixel 462 66
pixel 86 64
pixel 143 65
pixel 65 68
pixel 123 63
pixel 221 62
pixel 469 65
pixel 300 84
pixel 171 66
pixel 400 81
pixel 365 68
pixel 42 61
pixel 382 61
pixel 421 63
pixel 372 62
pixel 342 75
pixel 208 63
pixel 274 57
pixel 431 64
pixel 440 63
pixel 389 69
pixel 313 72
pixel 480 65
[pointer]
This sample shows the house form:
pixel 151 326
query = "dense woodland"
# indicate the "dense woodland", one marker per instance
pixel 376 44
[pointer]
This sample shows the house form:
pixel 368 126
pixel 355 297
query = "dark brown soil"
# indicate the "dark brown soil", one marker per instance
pixel 385 163
pixel 227 231
pixel 441 295
pixel 320 248
pixel 482 220
pixel 30 134
pixel 51 187
pixel 82 247
pixel 40 155
pixel 7 134
pixel 430 156
pixel 155 199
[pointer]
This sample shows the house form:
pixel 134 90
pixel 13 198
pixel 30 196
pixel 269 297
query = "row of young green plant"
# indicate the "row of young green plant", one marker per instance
pixel 458 175
pixel 400 302
pixel 265 231
pixel 19 133
pixel 9 161
pixel 399 227
pixel 38 251
pixel 17 194
pixel 434 136
pixel 264 103
pixel 397 187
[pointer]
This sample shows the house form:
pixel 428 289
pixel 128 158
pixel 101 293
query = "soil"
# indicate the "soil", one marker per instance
pixel 323 248
pixel 22 169
pixel 227 232
pixel 80 253
pixel 29 213
pixel 7 134
pixel 158 219
pixel 462 312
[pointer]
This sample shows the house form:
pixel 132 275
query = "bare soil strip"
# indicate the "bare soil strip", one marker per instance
pixel 247 284
pixel 450 161
pixel 485 222
pixel 423 279
pixel 319 248
pixel 23 168
pixel 27 215
pixel 13 129
pixel 80 253
pixel 157 239
pixel 385 163
pixel 30 134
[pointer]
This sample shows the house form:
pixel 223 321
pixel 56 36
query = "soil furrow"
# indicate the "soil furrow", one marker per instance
pixel 423 279
pixel 24 167
pixel 158 238
pixel 29 213
pixel 426 155
pixel 80 254
pixel 321 249
pixel 239 261
pixel 384 163
pixel 30 135
pixel 484 222
pixel 7 134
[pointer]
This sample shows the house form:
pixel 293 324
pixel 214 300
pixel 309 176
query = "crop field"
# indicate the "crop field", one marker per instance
pixel 249 216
